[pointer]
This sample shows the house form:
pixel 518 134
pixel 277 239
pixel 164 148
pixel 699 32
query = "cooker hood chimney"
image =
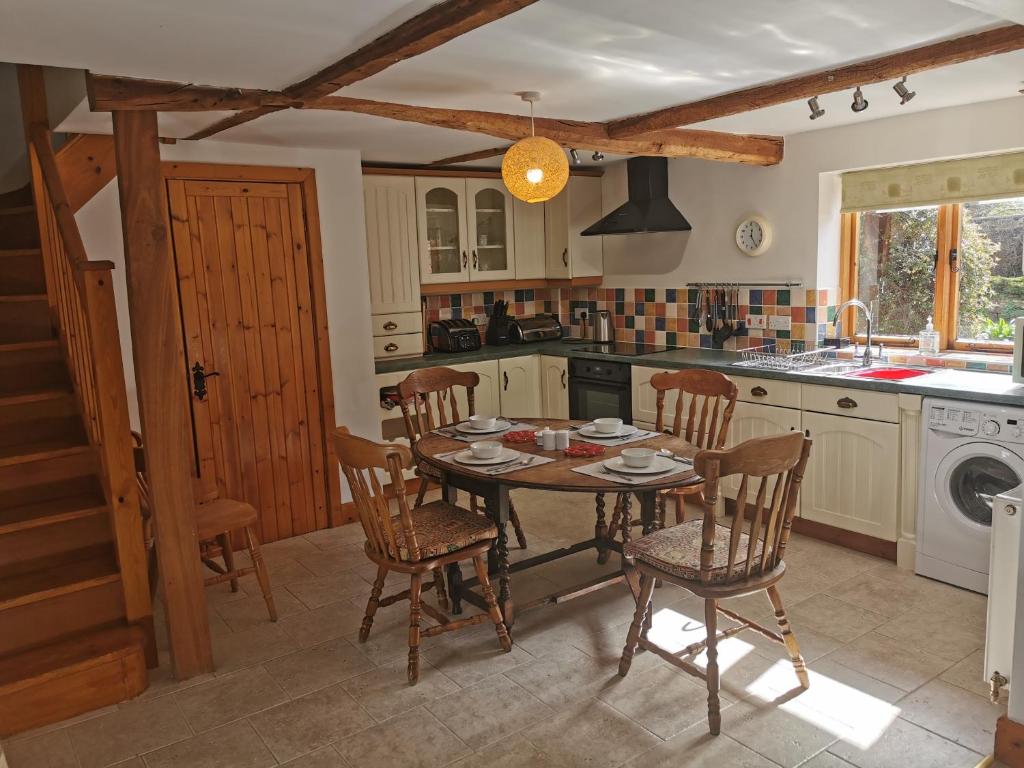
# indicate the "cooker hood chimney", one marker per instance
pixel 648 208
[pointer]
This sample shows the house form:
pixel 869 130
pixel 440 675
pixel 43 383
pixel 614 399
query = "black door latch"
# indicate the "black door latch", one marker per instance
pixel 199 377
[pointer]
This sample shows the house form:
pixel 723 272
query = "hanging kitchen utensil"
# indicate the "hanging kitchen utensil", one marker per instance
pixel 709 317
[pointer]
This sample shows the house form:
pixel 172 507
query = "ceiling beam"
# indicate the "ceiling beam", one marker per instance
pixel 892 66
pixel 423 32
pixel 481 154
pixel 708 145
pixel 108 92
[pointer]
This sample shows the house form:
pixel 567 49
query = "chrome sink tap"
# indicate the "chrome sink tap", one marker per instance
pixel 866 361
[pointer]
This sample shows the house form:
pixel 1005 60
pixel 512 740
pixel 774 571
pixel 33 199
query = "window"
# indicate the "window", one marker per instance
pixel 962 264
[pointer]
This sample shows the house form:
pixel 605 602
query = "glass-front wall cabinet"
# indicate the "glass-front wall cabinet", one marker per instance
pixel 441 220
pixel 491 232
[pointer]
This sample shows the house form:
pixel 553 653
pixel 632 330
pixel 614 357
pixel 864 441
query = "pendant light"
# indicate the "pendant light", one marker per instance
pixel 534 169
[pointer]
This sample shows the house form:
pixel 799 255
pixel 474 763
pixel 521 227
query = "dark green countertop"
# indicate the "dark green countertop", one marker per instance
pixel 953 383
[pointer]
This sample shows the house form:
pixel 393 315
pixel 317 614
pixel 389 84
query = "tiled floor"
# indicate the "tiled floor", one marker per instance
pixel 895 666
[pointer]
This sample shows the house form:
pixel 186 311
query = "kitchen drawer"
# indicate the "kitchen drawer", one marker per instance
pixel 858 403
pixel 403 345
pixel 398 323
pixel 785 394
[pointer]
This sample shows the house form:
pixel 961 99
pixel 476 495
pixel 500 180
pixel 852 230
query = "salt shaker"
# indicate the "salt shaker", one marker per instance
pixel 547 437
pixel 561 439
pixel 539 437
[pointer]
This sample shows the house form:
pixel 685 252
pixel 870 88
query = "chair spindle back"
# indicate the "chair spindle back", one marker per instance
pixel 712 399
pixel 414 399
pixel 360 459
pixel 778 458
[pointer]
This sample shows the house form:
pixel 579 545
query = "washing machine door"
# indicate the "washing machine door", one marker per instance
pixel 965 484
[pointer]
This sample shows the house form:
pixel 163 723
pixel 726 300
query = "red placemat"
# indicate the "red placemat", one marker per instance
pixel 583 450
pixel 520 436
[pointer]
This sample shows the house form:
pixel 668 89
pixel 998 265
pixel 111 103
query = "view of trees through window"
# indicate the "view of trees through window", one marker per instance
pixel 896 269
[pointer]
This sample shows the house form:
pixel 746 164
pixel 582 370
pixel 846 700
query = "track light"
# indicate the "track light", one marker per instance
pixel 816 111
pixel 575 156
pixel 903 92
pixel 859 102
pixel 597 156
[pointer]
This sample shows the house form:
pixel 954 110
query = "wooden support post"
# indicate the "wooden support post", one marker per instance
pixel 163 394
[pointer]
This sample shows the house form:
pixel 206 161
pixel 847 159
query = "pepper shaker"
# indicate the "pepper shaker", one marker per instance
pixel 547 439
pixel 561 439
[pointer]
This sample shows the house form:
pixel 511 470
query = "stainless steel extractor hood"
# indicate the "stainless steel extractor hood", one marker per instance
pixel 648 208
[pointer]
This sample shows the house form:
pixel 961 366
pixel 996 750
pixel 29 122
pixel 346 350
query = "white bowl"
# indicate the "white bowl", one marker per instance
pixel 485 449
pixel 482 422
pixel 638 457
pixel 608 426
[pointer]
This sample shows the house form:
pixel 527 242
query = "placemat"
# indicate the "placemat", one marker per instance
pixel 598 470
pixel 641 434
pixel 454 434
pixel 534 461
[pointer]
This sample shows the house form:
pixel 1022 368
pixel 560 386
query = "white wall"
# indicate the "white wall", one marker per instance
pixel 800 197
pixel 13 157
pixel 340 193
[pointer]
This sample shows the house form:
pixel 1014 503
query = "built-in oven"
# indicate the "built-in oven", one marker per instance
pixel 599 389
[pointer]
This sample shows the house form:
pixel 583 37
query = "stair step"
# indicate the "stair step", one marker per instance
pixel 38 396
pixel 46 415
pixel 21 298
pixel 13 253
pixel 24 319
pixel 32 367
pixel 49 512
pixel 71 572
pixel 69 677
pixel 21 271
pixel 16 347
pixel 17 210
pixel 19 227
pixel 23 475
pixel 42 451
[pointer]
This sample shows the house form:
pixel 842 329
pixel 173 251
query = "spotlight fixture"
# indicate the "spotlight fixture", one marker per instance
pixel 575 156
pixel 816 111
pixel 598 156
pixel 903 92
pixel 859 102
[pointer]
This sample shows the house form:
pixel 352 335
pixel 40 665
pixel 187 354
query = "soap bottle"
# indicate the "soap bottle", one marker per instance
pixel 928 340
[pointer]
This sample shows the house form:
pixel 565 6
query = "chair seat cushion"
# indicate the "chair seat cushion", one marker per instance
pixel 676 551
pixel 223 515
pixel 442 528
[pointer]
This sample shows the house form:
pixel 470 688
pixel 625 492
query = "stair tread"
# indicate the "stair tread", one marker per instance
pixel 62 657
pixel 50 511
pixel 16 210
pixel 13 252
pixel 22 298
pixel 40 450
pixel 21 346
pixel 35 396
pixel 96 566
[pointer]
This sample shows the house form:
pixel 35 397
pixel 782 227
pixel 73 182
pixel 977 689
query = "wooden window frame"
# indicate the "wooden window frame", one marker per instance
pixel 947 288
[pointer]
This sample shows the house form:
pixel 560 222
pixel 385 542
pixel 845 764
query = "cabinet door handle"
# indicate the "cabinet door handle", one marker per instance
pixel 563 379
pixel 465 259
pixel 565 257
pixel 474 260
pixel 846 402
pixel 758 392
pixel 392 347
pixel 505 379
pixel 390 325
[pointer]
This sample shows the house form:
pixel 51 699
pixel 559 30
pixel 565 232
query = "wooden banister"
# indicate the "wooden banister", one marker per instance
pixel 81 296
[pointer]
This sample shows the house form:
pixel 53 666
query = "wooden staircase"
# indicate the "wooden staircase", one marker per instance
pixel 75 616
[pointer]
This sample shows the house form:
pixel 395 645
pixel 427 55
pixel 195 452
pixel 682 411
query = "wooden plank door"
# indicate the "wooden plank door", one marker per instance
pixel 241 250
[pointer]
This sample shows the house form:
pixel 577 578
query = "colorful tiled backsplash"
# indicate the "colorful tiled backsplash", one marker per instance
pixel 667 316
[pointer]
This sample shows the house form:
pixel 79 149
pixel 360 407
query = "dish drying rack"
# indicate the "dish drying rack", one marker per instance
pixel 782 355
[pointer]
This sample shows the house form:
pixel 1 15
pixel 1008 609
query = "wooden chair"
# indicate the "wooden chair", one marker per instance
pixel 716 561
pixel 414 399
pixel 708 399
pixel 417 542
pixel 216 520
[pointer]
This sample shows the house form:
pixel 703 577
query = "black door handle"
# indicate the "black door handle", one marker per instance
pixel 199 377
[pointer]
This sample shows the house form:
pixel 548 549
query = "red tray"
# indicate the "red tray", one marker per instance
pixel 583 450
pixel 520 436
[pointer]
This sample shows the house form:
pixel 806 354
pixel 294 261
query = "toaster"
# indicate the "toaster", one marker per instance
pixel 454 336
pixel 536 328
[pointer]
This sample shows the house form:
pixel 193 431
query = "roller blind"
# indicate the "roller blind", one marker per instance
pixel 948 181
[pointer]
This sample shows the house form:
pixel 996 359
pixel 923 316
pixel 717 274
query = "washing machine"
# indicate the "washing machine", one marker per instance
pixel 972 452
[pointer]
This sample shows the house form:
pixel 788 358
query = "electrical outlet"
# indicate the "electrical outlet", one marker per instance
pixel 479 319
pixel 780 322
pixel 755 321
pixel 579 313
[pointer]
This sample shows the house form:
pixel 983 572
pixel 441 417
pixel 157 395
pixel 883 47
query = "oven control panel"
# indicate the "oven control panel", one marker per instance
pixel 998 425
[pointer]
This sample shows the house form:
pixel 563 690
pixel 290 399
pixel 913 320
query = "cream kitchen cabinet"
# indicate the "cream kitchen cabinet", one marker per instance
pixel 853 474
pixel 465 229
pixel 750 420
pixel 520 386
pixel 572 210
pixel 528 223
pixel 390 206
pixel 554 376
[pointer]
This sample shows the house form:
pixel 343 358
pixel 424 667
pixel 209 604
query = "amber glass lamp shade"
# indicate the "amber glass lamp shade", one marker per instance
pixel 535 169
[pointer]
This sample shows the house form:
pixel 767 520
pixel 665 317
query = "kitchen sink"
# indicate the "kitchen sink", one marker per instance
pixel 879 372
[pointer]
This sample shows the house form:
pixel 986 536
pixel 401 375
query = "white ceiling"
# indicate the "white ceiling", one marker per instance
pixel 592 59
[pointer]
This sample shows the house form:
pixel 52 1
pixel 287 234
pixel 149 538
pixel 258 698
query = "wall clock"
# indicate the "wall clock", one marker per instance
pixel 754 235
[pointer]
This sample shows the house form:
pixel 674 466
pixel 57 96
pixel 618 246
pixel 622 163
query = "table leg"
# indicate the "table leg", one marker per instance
pixel 497 558
pixel 454 573
pixel 648 510
pixel 600 529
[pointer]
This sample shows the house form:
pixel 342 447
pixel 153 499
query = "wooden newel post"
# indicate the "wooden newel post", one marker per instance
pixel 162 386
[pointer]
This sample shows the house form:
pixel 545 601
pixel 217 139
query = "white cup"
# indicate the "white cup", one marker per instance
pixel 482 422
pixel 638 457
pixel 608 426
pixel 485 449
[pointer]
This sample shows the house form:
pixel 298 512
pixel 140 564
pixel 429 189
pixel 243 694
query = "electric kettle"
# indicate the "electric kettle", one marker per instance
pixel 604 328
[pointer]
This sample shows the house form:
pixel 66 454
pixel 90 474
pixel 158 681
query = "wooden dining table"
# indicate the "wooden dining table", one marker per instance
pixel 557 475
